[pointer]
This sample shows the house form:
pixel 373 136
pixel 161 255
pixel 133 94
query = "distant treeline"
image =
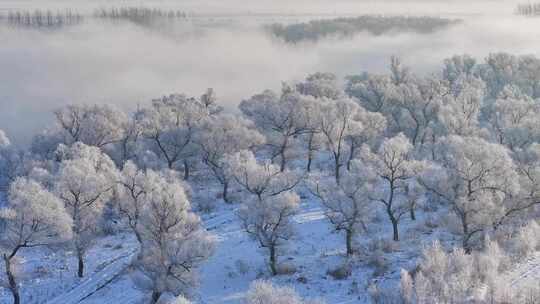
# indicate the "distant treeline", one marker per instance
pixel 138 14
pixel 342 27
pixel 528 9
pixel 54 19
pixel 43 18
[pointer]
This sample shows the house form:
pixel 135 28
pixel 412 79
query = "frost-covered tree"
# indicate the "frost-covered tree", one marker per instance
pixel 269 222
pixel 84 181
pixel 280 118
pixel 223 135
pixel 45 143
pixel 453 276
pixel 372 91
pixel 460 110
pixel 128 144
pixel 347 205
pixel 476 178
pixel 14 163
pixel 259 179
pixel 209 101
pixel 410 104
pixel 171 299
pixel 312 140
pixel 395 168
pixel 399 73
pixel 503 69
pixel 513 119
pixel 170 125
pixel 525 242
pixel 93 125
pixel 519 206
pixel 457 66
pixel 262 292
pixel 340 119
pixel 320 85
pixel 413 192
pixel 6 164
pixel 174 241
pixel 134 185
pixel 4 140
pixel 33 217
pixel 414 106
pixel 267 212
pixel 373 126
pixel 442 277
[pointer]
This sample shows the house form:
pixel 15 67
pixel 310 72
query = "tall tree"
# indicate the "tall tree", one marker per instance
pixel 340 120
pixel 170 125
pixel 223 135
pixel 175 241
pixel 347 206
pixel 460 110
pixel 84 181
pixel 33 217
pixel 93 125
pixel 475 178
pixel 267 210
pixel 395 168
pixel 280 118
pixel 513 119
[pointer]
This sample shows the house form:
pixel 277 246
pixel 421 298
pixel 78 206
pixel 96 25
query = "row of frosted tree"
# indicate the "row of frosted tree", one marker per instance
pixel 528 9
pixel 56 19
pixel 43 18
pixel 139 14
pixel 315 30
pixel 465 139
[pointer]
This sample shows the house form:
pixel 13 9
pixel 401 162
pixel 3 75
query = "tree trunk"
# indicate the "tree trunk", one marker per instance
pixel 310 151
pixel 282 150
pixel 466 235
pixel 309 161
pixel 348 239
pixel 390 213
pixel 140 241
pixel 395 228
pixel 226 192
pixel 283 161
pixel 351 156
pixel 11 281
pixel 80 272
pixel 138 236
pixel 336 169
pixel 466 245
pixel 273 260
pixel 412 213
pixel 186 170
pixel 155 296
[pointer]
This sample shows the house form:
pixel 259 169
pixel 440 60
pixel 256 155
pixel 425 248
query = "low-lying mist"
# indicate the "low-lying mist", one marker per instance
pixel 126 64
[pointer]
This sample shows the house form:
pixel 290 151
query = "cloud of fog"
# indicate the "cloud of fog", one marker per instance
pixel 127 65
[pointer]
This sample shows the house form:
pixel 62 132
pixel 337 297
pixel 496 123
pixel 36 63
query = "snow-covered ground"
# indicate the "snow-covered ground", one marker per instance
pixel 525 275
pixel 50 276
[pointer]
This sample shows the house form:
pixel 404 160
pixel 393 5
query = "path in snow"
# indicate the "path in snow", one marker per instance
pixel 526 274
pixel 97 280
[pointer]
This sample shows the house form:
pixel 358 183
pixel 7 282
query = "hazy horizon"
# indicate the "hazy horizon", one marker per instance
pixel 284 6
pixel 127 64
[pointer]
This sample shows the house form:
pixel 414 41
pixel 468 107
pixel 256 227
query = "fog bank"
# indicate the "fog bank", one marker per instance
pixel 127 65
